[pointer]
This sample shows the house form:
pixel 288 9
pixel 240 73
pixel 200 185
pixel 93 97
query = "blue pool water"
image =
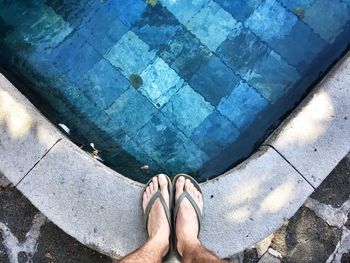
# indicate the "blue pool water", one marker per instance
pixel 170 85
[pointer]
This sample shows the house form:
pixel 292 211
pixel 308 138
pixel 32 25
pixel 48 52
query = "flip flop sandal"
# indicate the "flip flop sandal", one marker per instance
pixel 177 204
pixel 167 209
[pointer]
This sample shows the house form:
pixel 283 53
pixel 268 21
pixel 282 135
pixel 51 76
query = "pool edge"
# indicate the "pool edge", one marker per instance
pixel 32 166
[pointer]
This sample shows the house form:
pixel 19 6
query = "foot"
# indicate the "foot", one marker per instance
pixel 187 224
pixel 157 226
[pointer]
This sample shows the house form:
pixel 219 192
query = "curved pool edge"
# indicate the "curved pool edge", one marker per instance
pixel 101 208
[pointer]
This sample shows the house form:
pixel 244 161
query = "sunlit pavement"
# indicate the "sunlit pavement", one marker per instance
pixel 318 232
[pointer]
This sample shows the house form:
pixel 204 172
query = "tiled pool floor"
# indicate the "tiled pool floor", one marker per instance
pixel 180 86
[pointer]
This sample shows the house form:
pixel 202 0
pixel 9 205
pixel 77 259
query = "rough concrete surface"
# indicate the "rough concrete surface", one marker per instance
pixel 25 135
pixel 261 192
pixel 317 136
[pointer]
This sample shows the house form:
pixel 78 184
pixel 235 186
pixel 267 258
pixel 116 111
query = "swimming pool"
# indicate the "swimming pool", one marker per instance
pixel 170 86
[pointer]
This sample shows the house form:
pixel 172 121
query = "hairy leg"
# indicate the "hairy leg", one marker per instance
pixel 187 227
pixel 151 252
pixel 197 253
pixel 158 228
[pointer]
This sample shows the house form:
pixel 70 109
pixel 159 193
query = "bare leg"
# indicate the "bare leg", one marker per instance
pixel 157 245
pixel 187 227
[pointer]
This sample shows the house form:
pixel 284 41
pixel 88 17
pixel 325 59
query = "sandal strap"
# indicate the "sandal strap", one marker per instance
pixel 151 202
pixel 194 204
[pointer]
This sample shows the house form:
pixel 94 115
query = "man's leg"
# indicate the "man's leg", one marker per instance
pixel 157 245
pixel 188 244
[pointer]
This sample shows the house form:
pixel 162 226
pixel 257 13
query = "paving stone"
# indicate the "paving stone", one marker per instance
pixel 185 54
pixel 327 18
pixel 128 11
pixel 306 238
pixel 53 242
pixel 160 82
pixel 345 258
pixel 16 212
pixel 268 258
pixel 102 30
pixel 240 9
pixel 187 109
pixel 335 189
pixel 214 80
pixel 123 114
pixel 74 57
pixel 243 105
pixel 251 256
pixel 130 55
pixel 4 258
pixel 22 131
pixel 211 25
pixel 214 134
pixel 103 84
pixel 156 21
pixel 183 10
pixel 319 132
pixel 347 224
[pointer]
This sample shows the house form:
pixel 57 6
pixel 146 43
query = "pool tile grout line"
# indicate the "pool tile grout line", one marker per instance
pixel 269 145
pixel 42 157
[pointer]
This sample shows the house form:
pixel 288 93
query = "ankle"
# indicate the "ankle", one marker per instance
pixel 160 242
pixel 187 246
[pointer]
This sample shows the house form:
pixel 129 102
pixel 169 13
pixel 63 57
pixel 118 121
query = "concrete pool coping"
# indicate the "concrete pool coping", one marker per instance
pixel 101 208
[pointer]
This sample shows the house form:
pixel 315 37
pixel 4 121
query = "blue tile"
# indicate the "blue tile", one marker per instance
pixel 102 30
pixel 70 10
pixel 130 55
pixel 243 105
pixel 328 18
pixel 187 109
pixel 185 53
pixel 164 143
pixel 239 9
pixel 103 84
pixel 272 76
pixel 300 47
pixel 159 138
pixel 160 82
pixel 187 158
pixel 298 6
pixel 128 11
pixel 215 133
pixel 214 80
pixel 131 111
pixel 271 21
pixel 75 57
pixel 287 35
pixel 183 10
pixel 156 21
pixel 211 25
pixel 241 50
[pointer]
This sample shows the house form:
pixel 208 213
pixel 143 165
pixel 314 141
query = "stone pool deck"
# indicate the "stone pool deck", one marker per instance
pixel 319 232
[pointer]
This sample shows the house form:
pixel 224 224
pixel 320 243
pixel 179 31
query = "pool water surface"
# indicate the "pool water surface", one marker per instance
pixel 170 86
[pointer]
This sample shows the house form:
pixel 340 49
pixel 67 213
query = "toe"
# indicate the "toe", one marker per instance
pixel 155 183
pixel 151 187
pixel 148 192
pixel 188 185
pixel 163 185
pixel 180 183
